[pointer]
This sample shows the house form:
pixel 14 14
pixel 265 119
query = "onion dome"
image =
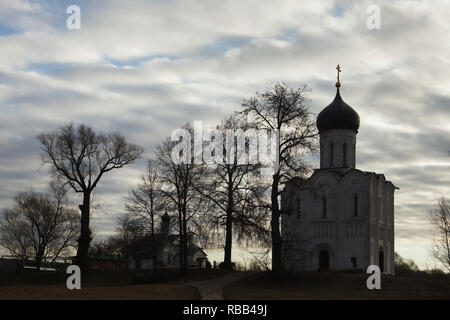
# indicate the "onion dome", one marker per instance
pixel 338 115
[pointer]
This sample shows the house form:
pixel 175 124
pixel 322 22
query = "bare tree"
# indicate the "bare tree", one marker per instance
pixel 234 187
pixel 283 108
pixel 145 201
pixel 111 246
pixel 80 157
pixel 179 180
pixel 404 265
pixel 294 252
pixel 12 236
pixel 440 219
pixel 128 230
pixel 39 225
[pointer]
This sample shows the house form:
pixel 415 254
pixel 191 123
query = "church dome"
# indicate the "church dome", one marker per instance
pixel 338 115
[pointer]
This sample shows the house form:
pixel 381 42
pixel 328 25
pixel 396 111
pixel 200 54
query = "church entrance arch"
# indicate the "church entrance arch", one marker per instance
pixel 381 259
pixel 324 260
pixel 322 257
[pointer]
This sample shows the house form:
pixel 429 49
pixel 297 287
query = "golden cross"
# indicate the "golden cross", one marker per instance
pixel 338 68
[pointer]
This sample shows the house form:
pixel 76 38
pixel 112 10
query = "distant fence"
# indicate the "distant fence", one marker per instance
pixel 17 264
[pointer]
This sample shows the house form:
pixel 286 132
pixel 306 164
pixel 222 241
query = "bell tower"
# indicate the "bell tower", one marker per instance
pixel 165 224
pixel 338 125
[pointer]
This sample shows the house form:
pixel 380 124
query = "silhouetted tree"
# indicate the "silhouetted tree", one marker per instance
pixel 404 266
pixel 179 177
pixel 128 230
pixel 41 226
pixel 234 187
pixel 283 109
pixel 440 219
pixel 144 203
pixel 80 157
pixel 110 246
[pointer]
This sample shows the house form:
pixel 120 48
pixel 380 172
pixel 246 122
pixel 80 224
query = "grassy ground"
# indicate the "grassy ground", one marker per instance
pixel 315 285
pixel 130 292
pixel 169 285
pixel 103 285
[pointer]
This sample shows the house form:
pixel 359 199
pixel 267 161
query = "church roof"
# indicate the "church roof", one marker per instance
pixel 338 115
pixel 339 174
pixel 145 244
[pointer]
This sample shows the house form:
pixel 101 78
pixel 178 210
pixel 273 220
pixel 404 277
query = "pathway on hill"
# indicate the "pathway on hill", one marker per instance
pixel 213 289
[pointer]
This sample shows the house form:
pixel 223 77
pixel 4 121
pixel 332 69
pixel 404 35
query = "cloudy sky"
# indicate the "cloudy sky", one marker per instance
pixel 145 67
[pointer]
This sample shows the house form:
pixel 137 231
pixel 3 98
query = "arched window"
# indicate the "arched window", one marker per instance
pixel 344 154
pixel 331 154
pixel 381 259
pixel 324 260
pixel 324 207
pixel 354 263
pixel 380 209
pixel 322 155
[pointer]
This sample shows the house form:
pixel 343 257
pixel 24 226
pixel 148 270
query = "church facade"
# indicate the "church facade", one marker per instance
pixel 341 218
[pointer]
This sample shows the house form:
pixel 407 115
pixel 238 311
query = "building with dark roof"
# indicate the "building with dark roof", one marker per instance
pixel 341 218
pixel 140 253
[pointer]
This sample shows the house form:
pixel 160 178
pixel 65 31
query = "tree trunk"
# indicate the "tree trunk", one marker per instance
pixel 185 244
pixel 228 232
pixel 85 235
pixel 155 258
pixel 38 259
pixel 180 226
pixel 275 227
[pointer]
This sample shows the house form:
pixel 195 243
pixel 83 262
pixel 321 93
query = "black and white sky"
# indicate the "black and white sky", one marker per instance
pixel 146 67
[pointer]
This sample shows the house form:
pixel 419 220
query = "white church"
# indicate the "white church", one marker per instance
pixel 340 218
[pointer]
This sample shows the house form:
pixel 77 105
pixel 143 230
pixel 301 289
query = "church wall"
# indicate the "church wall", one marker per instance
pixel 296 237
pixel 382 222
pixel 345 235
pixel 390 190
pixel 354 238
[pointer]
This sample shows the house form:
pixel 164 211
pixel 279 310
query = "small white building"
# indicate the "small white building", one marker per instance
pixel 340 218
pixel 140 252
